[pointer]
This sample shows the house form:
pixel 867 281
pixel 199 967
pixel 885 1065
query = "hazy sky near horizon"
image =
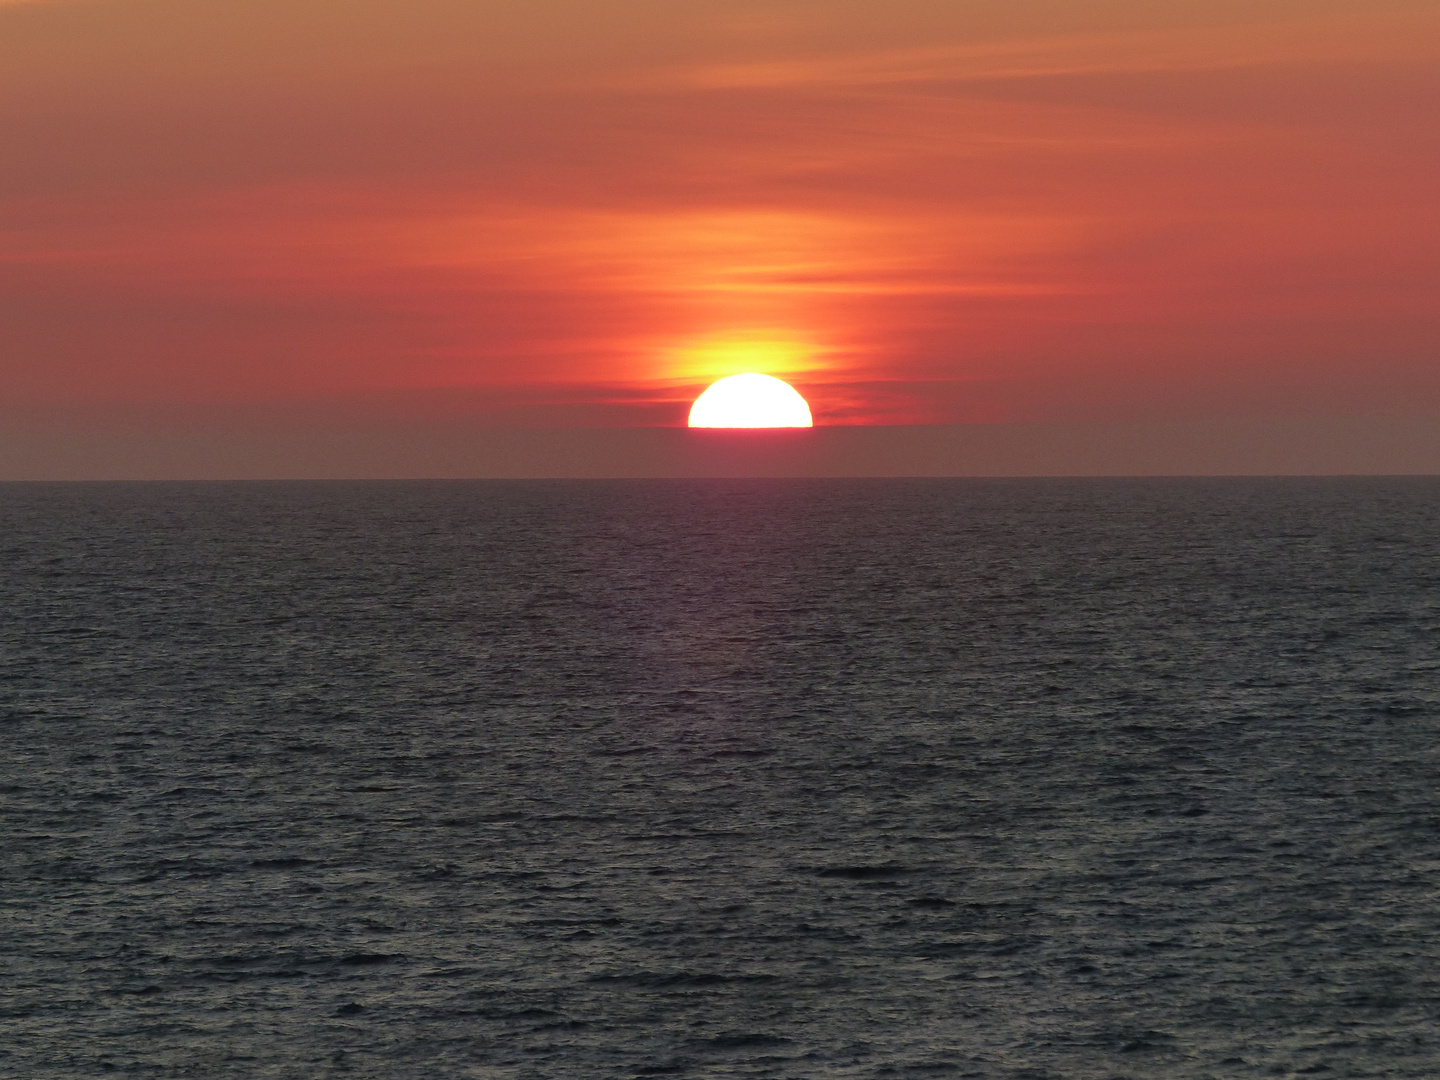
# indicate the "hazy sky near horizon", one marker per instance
pixel 558 213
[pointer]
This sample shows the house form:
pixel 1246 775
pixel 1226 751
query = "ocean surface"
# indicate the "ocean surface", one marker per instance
pixel 1080 779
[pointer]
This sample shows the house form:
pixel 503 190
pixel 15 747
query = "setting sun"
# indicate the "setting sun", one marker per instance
pixel 750 401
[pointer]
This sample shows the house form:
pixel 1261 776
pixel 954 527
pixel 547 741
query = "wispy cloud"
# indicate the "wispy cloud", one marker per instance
pixel 1389 36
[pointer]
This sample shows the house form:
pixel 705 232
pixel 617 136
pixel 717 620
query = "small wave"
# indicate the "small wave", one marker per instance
pixel 366 959
pixel 745 1041
pixel 682 980
pixel 863 873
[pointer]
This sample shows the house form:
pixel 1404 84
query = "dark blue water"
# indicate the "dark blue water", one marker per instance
pixel 1013 779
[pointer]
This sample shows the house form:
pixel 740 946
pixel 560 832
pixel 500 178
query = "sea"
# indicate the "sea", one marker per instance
pixel 1071 779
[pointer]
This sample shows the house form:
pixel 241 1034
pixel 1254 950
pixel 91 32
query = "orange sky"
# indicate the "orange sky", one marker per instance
pixel 565 213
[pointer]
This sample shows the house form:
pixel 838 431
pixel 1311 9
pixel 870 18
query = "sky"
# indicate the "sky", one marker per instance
pixel 554 214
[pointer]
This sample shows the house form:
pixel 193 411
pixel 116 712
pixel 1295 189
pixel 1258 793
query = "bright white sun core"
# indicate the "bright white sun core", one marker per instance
pixel 750 401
